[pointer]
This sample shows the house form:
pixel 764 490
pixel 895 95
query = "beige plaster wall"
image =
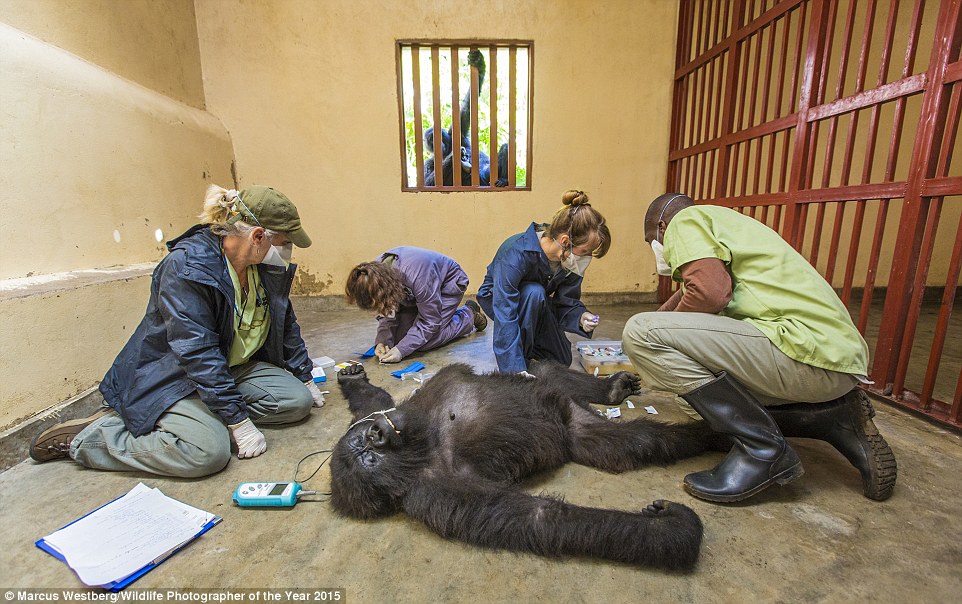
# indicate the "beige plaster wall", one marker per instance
pixel 93 166
pixel 308 91
pixel 151 42
pixel 98 163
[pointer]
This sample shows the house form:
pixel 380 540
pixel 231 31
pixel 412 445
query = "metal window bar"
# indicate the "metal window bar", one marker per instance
pixel 411 111
pixel 775 105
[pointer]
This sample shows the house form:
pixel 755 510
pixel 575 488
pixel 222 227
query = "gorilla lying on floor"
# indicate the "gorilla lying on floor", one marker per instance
pixel 452 456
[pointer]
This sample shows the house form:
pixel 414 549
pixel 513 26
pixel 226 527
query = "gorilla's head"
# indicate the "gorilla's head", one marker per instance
pixel 373 464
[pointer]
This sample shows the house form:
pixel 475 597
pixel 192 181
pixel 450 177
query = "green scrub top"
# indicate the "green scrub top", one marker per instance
pixel 251 317
pixel 773 287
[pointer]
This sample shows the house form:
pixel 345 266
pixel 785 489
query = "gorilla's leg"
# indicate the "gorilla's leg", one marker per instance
pixel 362 397
pixel 618 447
pixel 664 534
pixel 583 388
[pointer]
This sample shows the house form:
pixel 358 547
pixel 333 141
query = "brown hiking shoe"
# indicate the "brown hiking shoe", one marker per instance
pixel 54 442
pixel 480 321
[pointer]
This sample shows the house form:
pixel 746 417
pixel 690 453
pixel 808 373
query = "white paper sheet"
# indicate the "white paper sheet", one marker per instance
pixel 127 534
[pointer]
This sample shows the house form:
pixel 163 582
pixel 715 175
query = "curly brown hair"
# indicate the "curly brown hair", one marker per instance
pixel 375 286
pixel 581 222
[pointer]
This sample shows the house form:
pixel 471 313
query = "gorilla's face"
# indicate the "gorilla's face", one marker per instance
pixel 370 467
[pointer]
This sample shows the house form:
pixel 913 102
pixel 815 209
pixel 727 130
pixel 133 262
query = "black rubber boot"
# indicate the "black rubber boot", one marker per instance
pixel 759 457
pixel 846 424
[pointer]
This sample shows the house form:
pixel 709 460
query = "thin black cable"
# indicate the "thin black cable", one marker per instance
pixel 298 466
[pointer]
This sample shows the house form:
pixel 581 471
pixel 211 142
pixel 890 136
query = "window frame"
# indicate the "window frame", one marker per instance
pixel 452 46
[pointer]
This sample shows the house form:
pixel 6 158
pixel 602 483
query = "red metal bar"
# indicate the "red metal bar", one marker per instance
pixel 905 264
pixel 475 151
pixel 802 153
pixel 728 112
pixel 873 260
pixel 493 126
pixel 436 115
pixel 918 291
pixel 780 83
pixel 769 59
pixel 817 239
pixel 752 118
pixel 939 187
pixel 854 245
pixel 512 117
pixel 399 61
pixel 942 324
pixel 955 413
pixel 748 134
pixel 455 109
pixel 529 166
pixel 904 87
pixel 698 48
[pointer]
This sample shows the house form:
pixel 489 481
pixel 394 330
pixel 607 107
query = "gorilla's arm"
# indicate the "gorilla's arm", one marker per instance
pixel 583 388
pixel 665 534
pixel 362 397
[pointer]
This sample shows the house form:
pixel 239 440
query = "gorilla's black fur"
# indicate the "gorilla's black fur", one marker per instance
pixel 475 59
pixel 452 456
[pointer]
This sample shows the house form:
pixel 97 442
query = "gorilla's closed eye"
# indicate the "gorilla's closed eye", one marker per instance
pixel 368 458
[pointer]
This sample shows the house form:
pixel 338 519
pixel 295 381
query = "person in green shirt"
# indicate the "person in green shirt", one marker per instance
pixel 758 344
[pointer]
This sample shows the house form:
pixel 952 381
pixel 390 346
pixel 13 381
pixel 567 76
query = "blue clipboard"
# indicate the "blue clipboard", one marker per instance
pixel 116 586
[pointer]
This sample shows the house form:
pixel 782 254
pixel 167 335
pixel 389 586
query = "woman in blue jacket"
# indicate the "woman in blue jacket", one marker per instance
pixel 218 351
pixel 532 289
pixel 416 294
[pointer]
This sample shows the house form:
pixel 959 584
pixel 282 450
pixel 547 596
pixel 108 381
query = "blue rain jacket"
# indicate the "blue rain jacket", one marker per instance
pixel 181 344
pixel 518 260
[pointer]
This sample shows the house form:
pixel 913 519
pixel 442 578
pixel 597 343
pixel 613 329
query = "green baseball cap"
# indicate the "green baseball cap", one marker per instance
pixel 272 210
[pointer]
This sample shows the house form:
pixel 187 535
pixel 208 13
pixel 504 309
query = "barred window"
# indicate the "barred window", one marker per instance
pixel 472 100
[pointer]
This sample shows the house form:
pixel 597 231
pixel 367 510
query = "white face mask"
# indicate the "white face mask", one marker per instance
pixel 661 267
pixel 279 255
pixel 576 264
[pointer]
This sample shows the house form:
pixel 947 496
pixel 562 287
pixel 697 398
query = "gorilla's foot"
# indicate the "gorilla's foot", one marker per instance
pixel 621 385
pixel 677 531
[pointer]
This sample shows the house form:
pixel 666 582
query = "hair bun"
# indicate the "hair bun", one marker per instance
pixel 574 198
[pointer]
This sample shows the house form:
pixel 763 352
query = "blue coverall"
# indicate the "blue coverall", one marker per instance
pixel 531 306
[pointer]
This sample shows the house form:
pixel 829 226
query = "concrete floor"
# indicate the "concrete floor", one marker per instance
pixel 816 540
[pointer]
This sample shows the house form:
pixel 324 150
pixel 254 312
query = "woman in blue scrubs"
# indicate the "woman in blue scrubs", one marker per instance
pixel 532 288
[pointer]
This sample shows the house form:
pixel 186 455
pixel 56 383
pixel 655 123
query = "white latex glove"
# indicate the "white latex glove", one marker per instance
pixel 380 350
pixel 527 375
pixel 249 440
pixel 390 356
pixel 589 322
pixel 316 393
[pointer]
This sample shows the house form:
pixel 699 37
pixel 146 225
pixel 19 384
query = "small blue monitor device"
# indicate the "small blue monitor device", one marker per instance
pixel 267 494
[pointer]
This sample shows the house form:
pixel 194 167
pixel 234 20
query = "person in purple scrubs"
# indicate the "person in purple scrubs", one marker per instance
pixel 416 294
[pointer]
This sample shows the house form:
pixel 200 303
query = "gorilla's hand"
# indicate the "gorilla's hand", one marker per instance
pixel 351 373
pixel 622 385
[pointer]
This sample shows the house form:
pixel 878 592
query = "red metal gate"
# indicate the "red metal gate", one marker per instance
pixel 835 122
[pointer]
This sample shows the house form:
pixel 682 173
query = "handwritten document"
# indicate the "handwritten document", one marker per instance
pixel 122 537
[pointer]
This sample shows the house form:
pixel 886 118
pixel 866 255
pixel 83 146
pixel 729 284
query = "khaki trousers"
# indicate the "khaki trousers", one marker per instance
pixel 189 440
pixel 680 351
